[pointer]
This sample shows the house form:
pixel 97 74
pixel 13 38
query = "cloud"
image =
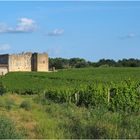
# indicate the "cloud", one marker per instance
pixel 4 47
pixel 56 32
pixel 128 36
pixel 24 25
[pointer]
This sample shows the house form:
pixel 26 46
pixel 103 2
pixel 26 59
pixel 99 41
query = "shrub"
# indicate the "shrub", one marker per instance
pixel 7 129
pixel 26 105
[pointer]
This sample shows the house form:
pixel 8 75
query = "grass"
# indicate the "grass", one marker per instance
pixel 40 118
pixel 64 121
pixel 32 82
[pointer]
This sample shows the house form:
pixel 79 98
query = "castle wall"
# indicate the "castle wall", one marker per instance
pixel 20 62
pixel 24 62
pixel 34 62
pixel 4 59
pixel 3 70
pixel 42 62
pixel 4 64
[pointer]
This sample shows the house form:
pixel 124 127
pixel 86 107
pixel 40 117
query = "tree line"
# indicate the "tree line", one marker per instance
pixel 63 63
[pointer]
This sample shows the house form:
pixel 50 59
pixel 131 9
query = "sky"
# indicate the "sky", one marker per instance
pixel 91 30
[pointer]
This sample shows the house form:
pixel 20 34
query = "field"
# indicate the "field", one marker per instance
pixel 75 103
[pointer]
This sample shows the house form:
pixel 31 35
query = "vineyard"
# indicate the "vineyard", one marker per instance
pixel 117 89
pixel 74 103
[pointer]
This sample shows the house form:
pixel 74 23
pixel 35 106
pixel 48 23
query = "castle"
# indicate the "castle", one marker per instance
pixel 23 62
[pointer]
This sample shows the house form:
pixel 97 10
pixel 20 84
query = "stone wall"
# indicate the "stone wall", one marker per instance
pixel 34 62
pixel 20 62
pixel 42 62
pixel 3 70
pixel 4 59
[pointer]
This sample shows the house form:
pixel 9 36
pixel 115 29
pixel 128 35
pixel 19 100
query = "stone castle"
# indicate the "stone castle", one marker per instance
pixel 23 62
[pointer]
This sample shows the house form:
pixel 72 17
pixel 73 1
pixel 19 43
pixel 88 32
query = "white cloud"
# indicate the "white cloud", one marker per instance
pixel 4 47
pixel 24 25
pixel 56 32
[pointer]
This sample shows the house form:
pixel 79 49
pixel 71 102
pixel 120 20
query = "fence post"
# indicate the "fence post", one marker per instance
pixel 108 98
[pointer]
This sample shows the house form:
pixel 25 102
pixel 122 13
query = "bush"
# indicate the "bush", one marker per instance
pixel 7 129
pixel 25 105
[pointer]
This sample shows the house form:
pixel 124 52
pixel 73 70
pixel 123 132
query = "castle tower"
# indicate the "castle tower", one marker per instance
pixel 40 62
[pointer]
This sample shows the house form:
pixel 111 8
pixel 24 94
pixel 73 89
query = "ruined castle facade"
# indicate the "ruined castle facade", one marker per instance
pixel 23 62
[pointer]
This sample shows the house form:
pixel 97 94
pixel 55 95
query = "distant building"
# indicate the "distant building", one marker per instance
pixel 23 62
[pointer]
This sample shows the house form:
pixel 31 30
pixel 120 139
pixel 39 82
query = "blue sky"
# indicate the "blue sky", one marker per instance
pixel 90 30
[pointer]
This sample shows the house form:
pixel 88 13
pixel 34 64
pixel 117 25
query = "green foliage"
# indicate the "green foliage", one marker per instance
pixel 7 129
pixel 90 87
pixel 62 63
pixel 25 105
pixel 81 123
pixel 126 97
